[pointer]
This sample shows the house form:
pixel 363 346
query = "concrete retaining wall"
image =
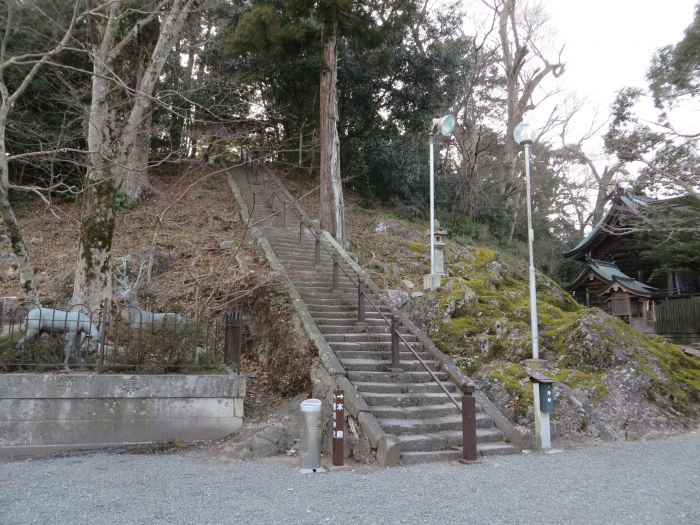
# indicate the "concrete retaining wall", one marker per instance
pixel 46 413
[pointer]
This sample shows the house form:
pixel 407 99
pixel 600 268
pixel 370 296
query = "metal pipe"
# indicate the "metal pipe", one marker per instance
pixel 530 242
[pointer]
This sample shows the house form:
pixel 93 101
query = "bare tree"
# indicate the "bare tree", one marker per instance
pixel 475 106
pixel 113 159
pixel 28 65
pixel 525 66
pixel 601 178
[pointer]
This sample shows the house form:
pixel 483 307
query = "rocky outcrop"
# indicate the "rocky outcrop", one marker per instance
pixel 612 382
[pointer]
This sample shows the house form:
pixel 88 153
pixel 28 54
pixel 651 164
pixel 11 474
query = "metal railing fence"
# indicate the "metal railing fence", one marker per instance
pixel 125 339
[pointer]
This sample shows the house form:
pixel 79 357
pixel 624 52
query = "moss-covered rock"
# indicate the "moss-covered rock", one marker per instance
pixel 612 382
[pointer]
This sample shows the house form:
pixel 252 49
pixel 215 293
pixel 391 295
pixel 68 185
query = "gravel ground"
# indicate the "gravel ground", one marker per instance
pixel 652 482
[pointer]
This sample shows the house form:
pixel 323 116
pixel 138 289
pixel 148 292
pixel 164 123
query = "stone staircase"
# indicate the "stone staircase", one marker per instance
pixel 408 404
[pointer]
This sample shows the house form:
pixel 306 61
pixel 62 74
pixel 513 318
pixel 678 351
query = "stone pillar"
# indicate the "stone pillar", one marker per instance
pixel 432 281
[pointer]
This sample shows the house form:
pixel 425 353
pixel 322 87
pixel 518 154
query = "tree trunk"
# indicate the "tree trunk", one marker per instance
pixel 516 214
pixel 132 177
pixel 135 183
pixel 93 275
pixel 332 210
pixel 14 231
pixel 604 183
pixel 468 144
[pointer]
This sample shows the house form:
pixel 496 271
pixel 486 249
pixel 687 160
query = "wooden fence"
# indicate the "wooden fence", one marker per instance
pixel 678 316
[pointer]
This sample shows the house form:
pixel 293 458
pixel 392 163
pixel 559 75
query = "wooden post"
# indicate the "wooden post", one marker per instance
pixel 317 250
pixel 395 364
pixel 469 424
pixel 338 428
pixel 284 213
pixel 360 301
pixel 336 273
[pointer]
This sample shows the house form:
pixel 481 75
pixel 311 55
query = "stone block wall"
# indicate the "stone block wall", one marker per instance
pixel 46 413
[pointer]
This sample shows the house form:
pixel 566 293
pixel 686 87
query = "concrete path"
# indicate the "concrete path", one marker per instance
pixel 653 482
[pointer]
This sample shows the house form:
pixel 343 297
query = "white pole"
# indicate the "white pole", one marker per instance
pixel 542 432
pixel 432 207
pixel 530 241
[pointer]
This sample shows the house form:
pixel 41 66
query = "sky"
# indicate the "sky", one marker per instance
pixel 608 44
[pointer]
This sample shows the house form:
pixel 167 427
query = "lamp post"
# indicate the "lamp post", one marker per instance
pixel 525 135
pixel 444 127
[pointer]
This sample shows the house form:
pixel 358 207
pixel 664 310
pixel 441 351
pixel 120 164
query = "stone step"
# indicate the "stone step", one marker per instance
pixel 348 322
pixel 349 304
pixel 343 310
pixel 382 356
pixel 380 347
pixel 414 412
pixel 400 427
pixel 326 288
pixel 363 338
pixel 357 329
pixel 406 399
pixel 381 365
pixel 428 456
pixel 433 456
pixel 345 291
pixel 386 387
pixel 395 377
pixel 447 440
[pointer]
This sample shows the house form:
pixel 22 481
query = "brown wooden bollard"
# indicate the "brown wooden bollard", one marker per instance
pixel 336 273
pixel 468 424
pixel 301 229
pixel 395 364
pixel 360 301
pixel 284 213
pixel 338 428
pixel 317 250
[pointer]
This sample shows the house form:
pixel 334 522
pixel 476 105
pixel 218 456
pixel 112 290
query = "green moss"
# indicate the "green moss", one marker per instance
pixel 514 379
pixel 591 381
pixel 463 326
pixel 97 226
pixel 418 248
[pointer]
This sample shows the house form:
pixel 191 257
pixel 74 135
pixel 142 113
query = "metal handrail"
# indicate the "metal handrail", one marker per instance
pixel 420 360
pixel 358 285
